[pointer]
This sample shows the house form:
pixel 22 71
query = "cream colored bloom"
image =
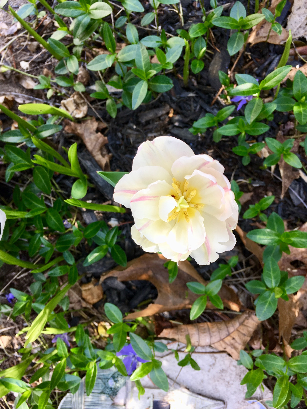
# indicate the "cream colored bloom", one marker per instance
pixel 2 222
pixel 182 203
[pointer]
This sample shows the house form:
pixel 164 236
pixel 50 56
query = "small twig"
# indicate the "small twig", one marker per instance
pixel 80 93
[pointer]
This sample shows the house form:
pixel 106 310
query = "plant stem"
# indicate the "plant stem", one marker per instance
pixel 186 64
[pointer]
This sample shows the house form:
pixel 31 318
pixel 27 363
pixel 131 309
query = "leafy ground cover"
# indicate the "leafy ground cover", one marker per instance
pixel 113 75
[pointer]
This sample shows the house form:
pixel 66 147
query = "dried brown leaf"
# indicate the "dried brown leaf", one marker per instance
pixel 230 336
pixel 92 292
pixel 261 31
pixel 297 21
pixel 93 140
pixel 83 76
pixel 26 82
pixel 288 313
pixel 75 105
pixel 288 173
pixel 250 245
pixel 296 255
pixel 174 296
pixel 246 197
pixel 294 70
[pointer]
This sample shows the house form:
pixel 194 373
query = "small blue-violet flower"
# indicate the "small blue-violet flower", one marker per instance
pixel 242 100
pixel 131 359
pixel 9 297
pixel 64 337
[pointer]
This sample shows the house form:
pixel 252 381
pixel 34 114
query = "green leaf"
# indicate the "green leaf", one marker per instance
pixel 59 48
pixel 141 57
pixel 280 391
pixel 16 372
pixel 101 62
pixel 255 287
pixel 198 307
pixel 235 43
pixel 217 301
pixel 42 179
pixel 268 15
pixel 293 284
pixel 109 38
pixel 271 273
pixel 266 305
pixel 299 343
pixel 46 148
pixel 118 255
pixel 147 19
pixel 237 11
pixel 132 34
pixel 270 362
pixel 58 373
pixel 251 212
pixel 54 220
pixel 159 378
pixel 253 109
pixel 275 77
pixel 296 238
pixel 246 360
pixel 251 21
pixel 298 363
pixel 173 54
pixel 112 177
pixel 42 109
pixel 213 287
pixel 265 203
pixel 92 229
pixel 21 122
pixel 90 377
pixel 14 385
pixel 284 104
pixel 245 90
pixel 127 53
pixel 197 30
pixel 299 86
pixel 226 22
pixel 253 379
pixel 300 112
pixel 79 189
pixel 113 313
pixel 272 251
pixel 72 64
pixel 99 10
pixel 141 371
pixel 111 107
pixel 40 321
pixel 276 223
pixel 97 254
pixel 292 160
pixel 62 348
pixel 140 347
pixel 133 5
pixel 224 113
pixel 230 130
pixel 272 159
pixel 69 9
pixel 160 83
pixel 196 288
pixel 95 206
pixel 264 236
pixel 139 94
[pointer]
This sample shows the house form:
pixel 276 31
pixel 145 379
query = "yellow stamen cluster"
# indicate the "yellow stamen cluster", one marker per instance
pixel 187 201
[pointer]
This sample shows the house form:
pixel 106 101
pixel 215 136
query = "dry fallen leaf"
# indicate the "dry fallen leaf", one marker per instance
pixel 297 21
pixel 25 65
pixel 83 76
pixel 7 101
pixel 287 172
pixel 296 255
pixel 92 292
pixel 250 245
pixel 288 313
pixel 174 296
pixel 230 336
pixel 6 31
pixel 245 197
pixel 75 105
pixel 94 141
pixel 76 301
pixel 5 341
pixel 293 71
pixel 260 33
pixel 26 82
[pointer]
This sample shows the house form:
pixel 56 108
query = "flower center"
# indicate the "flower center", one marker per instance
pixel 187 198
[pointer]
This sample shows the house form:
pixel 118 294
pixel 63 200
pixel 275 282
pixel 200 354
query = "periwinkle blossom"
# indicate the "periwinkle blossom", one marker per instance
pixel 182 203
pixel 131 359
pixel 64 337
pixel 242 100
pixel 2 222
pixel 10 297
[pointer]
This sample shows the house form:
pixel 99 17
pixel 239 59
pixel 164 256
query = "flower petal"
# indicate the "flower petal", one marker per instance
pixel 154 231
pixel 145 203
pixel 243 102
pixel 162 151
pixel 2 222
pixel 210 193
pixel 185 166
pixel 128 362
pixel 142 241
pixel 126 350
pixel 237 98
pixel 137 180
pixel 166 205
pixel 170 254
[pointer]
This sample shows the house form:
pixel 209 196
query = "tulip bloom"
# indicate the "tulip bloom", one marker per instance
pixel 182 203
pixel 2 222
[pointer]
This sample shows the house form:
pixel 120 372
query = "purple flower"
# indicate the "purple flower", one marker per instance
pixel 9 297
pixel 64 337
pixel 242 100
pixel 131 359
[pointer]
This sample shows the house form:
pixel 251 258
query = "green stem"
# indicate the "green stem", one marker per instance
pixel 35 35
pixel 8 259
pixel 20 72
pixel 256 6
pixel 186 64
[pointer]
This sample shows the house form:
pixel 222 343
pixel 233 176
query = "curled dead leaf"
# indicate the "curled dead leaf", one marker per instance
pixel 230 336
pixel 294 70
pixel 75 105
pixel 83 76
pixel 297 21
pixel 94 141
pixel 92 292
pixel 288 313
pixel 174 296
pixel 250 245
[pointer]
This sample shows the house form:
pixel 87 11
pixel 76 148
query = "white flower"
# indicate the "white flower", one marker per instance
pixel 2 222
pixel 182 203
